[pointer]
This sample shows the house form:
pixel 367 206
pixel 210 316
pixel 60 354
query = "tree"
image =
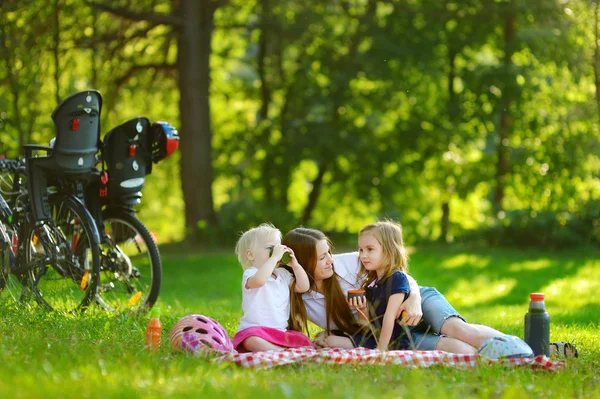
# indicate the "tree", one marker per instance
pixel 22 54
pixel 597 54
pixel 192 23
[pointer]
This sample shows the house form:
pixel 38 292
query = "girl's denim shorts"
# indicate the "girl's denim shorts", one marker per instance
pixel 436 310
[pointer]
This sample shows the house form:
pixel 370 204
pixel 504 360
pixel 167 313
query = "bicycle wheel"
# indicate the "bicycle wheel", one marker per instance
pixel 13 286
pixel 130 269
pixel 13 283
pixel 64 258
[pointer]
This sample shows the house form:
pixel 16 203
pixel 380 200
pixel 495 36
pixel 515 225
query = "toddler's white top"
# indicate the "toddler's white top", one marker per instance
pixel 269 305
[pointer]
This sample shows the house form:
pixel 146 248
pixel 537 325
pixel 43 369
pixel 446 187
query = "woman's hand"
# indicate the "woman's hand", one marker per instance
pixel 410 312
pixel 319 340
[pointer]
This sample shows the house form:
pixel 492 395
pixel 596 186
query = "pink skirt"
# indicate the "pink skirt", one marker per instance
pixel 286 339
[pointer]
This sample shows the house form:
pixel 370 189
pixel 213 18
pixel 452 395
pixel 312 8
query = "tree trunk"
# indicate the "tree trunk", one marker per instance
pixel 317 185
pixel 12 80
pixel 445 221
pixel 56 50
pixel 194 85
pixel 93 50
pixel 504 128
pixel 265 95
pixel 597 55
pixel 451 109
pixel 347 64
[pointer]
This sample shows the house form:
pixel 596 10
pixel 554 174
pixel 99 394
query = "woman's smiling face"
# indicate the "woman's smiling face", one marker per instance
pixel 324 267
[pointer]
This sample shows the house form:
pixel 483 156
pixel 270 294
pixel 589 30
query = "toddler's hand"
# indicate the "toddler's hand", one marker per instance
pixel 293 262
pixel 278 251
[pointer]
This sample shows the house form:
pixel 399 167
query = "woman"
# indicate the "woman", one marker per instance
pixel 325 302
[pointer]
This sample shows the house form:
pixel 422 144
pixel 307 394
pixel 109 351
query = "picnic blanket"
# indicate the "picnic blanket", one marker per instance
pixel 362 356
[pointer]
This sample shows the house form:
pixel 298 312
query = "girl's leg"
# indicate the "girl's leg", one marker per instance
pixel 472 334
pixel 452 345
pixel 257 344
pixel 444 319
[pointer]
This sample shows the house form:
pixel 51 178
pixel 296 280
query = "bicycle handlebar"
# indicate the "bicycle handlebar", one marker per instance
pixel 12 165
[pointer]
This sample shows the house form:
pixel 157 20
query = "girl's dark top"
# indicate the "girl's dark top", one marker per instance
pixel 378 295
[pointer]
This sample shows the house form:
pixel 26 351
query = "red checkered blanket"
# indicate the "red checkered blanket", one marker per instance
pixel 362 356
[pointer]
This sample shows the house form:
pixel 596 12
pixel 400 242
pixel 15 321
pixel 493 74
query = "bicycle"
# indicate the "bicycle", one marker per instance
pixel 130 267
pixel 42 258
pixel 54 253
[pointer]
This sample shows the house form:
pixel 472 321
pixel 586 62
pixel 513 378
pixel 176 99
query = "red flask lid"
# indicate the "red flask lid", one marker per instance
pixel 536 296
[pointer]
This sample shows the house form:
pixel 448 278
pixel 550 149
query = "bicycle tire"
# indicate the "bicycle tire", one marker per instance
pixel 130 270
pixel 4 255
pixel 63 257
pixel 13 287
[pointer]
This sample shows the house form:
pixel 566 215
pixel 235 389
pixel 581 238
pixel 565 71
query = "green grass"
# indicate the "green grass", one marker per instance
pixel 102 355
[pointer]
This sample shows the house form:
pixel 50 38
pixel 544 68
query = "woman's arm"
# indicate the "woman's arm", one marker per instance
pixel 412 306
pixel 389 319
pixel 264 272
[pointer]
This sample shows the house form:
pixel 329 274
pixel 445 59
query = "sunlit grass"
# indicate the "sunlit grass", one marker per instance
pixel 102 355
pixel 479 290
pixel 538 264
pixel 577 291
pixel 462 260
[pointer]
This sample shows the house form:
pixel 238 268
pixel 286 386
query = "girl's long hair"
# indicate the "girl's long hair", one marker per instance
pixel 395 257
pixel 303 242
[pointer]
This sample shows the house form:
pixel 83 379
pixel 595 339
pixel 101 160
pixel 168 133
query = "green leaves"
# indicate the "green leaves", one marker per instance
pixel 403 106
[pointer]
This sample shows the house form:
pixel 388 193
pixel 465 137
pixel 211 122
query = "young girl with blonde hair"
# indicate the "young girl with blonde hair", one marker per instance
pixel 383 267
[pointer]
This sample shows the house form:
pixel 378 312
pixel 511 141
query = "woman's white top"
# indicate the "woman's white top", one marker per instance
pixel 269 305
pixel 346 267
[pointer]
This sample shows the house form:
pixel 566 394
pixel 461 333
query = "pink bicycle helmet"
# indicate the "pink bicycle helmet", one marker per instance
pixel 197 332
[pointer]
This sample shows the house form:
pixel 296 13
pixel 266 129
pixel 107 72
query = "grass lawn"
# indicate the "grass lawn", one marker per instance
pixel 102 355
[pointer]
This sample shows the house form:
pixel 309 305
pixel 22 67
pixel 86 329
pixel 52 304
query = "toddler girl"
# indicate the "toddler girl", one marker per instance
pixel 266 292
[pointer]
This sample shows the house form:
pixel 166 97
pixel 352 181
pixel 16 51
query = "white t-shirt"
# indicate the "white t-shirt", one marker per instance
pixel 346 268
pixel 269 305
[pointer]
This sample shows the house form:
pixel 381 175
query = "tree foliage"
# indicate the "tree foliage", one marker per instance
pixel 455 117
